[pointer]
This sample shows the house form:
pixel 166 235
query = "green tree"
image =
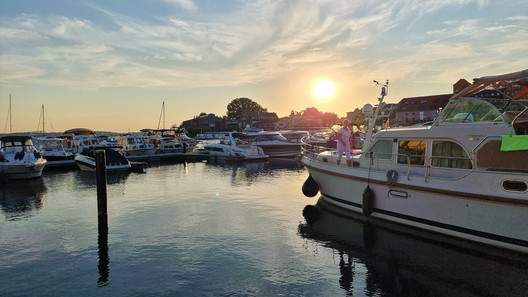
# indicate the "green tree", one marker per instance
pixel 240 105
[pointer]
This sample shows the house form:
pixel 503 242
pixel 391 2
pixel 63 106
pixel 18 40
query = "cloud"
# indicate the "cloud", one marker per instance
pixel 257 41
pixel 185 4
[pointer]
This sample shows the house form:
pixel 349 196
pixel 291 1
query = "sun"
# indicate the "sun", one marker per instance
pixel 323 89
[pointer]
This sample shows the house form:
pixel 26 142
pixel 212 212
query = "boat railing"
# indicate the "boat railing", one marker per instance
pixel 311 150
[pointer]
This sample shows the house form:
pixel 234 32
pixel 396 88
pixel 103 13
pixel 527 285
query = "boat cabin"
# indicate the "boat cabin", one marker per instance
pixel 471 133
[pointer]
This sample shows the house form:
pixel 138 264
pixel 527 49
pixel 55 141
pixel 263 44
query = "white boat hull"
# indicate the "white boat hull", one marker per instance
pixel 434 206
pixel 139 152
pixel 26 170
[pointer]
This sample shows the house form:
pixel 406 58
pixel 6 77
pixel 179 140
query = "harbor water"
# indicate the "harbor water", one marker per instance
pixel 222 229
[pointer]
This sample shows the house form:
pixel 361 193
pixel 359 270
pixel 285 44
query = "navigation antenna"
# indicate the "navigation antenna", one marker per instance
pixel 372 122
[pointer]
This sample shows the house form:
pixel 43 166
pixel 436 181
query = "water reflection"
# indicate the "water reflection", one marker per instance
pixel 104 257
pixel 20 199
pixel 88 179
pixel 246 173
pixel 405 262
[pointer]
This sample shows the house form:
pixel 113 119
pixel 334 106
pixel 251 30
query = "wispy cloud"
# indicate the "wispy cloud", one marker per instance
pixel 185 4
pixel 258 41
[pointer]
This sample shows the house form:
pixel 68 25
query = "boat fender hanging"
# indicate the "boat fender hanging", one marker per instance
pixel 310 187
pixel 310 214
pixel 392 177
pixel 368 201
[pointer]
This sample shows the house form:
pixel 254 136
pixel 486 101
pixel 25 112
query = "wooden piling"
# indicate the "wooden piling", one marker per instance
pixel 102 212
pixel 100 164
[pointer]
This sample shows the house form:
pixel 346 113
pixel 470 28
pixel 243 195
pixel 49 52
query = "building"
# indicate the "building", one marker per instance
pixel 415 110
pixel 261 120
pixel 205 122
pixel 423 109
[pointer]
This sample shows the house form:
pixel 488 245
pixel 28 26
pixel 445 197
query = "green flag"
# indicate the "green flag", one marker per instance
pixel 514 143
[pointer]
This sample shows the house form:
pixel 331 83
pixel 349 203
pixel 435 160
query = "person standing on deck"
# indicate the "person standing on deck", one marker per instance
pixel 343 142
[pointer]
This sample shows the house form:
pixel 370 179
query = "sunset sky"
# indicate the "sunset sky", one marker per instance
pixel 109 65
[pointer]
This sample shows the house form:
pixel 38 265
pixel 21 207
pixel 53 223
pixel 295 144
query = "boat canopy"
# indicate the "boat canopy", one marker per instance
pixel 9 141
pixel 79 131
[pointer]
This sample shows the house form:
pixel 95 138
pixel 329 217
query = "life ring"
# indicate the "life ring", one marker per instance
pixel 392 177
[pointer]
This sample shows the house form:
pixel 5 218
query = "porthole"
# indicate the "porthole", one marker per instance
pixel 515 186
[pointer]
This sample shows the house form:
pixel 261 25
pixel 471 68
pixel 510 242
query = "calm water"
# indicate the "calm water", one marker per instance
pixel 208 229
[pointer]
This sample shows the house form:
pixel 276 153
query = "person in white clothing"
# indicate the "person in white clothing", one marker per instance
pixel 343 142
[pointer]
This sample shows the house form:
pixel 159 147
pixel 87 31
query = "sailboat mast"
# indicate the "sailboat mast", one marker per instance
pixel 10 119
pixel 43 121
pixel 162 114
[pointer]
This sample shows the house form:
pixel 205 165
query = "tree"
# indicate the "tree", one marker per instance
pixel 330 118
pixel 240 105
pixel 312 112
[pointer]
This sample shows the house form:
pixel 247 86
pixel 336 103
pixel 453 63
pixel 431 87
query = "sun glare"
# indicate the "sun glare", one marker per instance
pixel 323 89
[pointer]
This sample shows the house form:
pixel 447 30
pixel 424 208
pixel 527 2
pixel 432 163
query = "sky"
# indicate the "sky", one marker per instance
pixel 110 65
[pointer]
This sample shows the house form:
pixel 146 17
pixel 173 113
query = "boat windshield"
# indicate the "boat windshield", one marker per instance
pixel 268 137
pixel 481 110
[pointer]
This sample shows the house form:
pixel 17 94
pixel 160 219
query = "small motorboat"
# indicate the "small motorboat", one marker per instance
pixel 19 159
pixel 114 160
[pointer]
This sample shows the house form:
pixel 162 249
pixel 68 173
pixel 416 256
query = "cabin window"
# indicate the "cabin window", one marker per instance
pixel 411 150
pixel 449 154
pixel 382 149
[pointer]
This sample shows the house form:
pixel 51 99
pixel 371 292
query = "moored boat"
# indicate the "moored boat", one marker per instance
pixel 135 145
pixel 224 145
pixel 54 151
pixel 164 140
pixel 466 175
pixel 273 143
pixel 114 160
pixel 79 139
pixel 19 159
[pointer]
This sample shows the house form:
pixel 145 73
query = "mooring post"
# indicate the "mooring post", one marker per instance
pixel 102 213
pixel 100 169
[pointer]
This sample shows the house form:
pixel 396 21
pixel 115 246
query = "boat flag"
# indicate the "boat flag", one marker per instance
pixel 387 123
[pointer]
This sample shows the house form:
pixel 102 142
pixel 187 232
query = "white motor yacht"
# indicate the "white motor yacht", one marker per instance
pixel 19 159
pixel 79 139
pixel 466 175
pixel 224 145
pixel 54 151
pixel 164 140
pixel 135 145
pixel 273 143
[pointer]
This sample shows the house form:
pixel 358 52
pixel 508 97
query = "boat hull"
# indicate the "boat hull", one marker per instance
pixel 27 170
pixel 281 151
pixel 87 163
pixel 139 152
pixel 470 216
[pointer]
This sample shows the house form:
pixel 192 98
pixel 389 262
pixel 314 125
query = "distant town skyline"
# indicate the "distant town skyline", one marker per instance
pixel 109 65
